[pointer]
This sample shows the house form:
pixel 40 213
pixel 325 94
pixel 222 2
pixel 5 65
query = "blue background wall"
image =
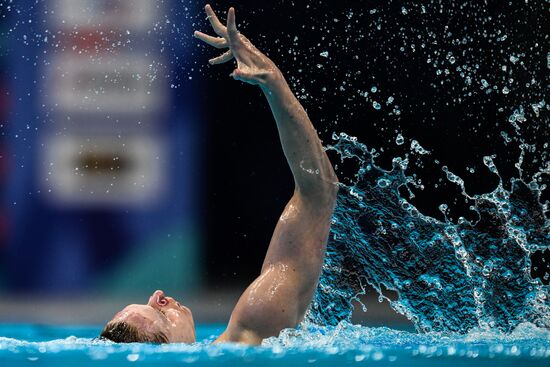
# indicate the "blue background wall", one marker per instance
pixel 109 244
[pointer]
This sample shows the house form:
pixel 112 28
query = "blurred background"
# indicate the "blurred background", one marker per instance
pixel 128 164
pixel 101 160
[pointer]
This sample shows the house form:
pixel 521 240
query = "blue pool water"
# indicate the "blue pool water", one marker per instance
pixel 343 345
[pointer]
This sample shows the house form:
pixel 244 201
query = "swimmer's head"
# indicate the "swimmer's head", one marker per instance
pixel 161 320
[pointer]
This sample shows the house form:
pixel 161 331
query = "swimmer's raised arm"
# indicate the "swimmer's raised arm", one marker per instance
pixel 280 296
pixel 310 166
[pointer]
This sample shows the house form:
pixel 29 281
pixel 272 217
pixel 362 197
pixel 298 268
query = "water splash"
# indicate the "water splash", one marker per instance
pixel 346 336
pixel 448 276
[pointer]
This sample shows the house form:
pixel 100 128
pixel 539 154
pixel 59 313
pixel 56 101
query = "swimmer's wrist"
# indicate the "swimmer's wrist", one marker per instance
pixel 272 79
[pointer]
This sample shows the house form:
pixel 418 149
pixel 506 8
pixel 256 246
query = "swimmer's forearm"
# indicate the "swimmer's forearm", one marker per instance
pixel 311 168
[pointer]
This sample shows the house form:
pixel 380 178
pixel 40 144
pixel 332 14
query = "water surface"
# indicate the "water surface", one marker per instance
pixel 344 344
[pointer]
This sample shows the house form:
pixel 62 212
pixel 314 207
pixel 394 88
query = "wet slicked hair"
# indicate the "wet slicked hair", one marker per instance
pixel 122 332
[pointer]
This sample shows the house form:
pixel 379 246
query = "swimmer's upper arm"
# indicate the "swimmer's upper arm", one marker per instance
pixel 280 296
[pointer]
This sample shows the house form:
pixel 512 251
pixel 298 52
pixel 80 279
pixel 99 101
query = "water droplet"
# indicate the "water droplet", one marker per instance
pixel 399 140
pixel 383 182
pixel 484 84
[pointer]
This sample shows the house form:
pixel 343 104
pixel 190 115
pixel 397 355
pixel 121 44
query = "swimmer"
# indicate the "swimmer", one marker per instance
pixel 280 296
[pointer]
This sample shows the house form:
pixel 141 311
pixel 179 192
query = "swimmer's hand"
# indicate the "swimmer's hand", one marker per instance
pixel 253 66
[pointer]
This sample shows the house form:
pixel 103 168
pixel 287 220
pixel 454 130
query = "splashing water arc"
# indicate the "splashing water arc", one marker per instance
pixel 449 277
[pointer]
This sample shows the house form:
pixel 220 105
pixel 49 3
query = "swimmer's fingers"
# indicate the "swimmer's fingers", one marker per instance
pixel 225 57
pixel 237 42
pixel 232 31
pixel 244 76
pixel 217 42
pixel 239 75
pixel 219 28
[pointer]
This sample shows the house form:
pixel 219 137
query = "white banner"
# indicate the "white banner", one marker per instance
pixel 100 170
pixel 106 14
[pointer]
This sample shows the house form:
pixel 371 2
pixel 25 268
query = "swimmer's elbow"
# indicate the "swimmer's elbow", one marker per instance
pixel 321 195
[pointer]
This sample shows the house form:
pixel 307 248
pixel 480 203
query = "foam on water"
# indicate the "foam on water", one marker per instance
pixel 329 345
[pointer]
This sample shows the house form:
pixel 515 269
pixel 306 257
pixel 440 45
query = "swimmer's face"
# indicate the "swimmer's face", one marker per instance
pixel 161 315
